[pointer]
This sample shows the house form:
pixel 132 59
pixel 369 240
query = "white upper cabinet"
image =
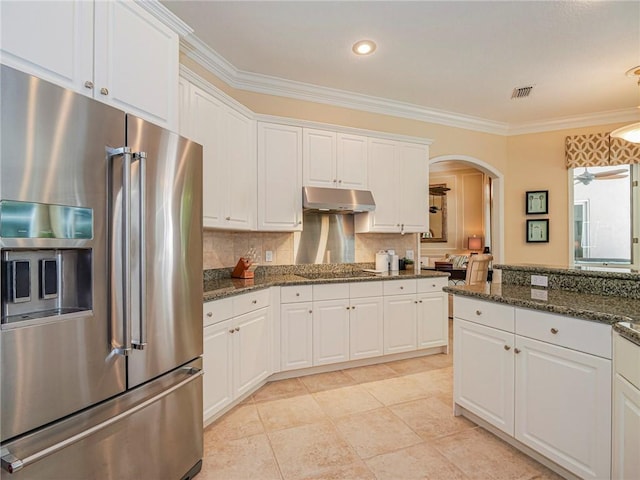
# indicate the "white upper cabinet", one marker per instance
pixel 115 52
pixel 229 172
pixel 334 160
pixel 399 180
pixel 279 177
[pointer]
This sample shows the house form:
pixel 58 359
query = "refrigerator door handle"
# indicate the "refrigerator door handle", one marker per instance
pixel 125 152
pixel 141 158
pixel 12 464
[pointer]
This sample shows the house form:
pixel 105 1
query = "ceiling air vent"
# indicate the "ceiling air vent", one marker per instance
pixel 521 92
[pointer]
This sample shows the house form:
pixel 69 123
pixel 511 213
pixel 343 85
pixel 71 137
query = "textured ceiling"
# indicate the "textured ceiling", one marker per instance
pixel 458 56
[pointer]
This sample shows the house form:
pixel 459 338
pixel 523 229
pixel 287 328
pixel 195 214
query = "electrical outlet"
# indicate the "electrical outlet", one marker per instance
pixel 540 280
pixel 409 254
pixel 537 294
pixel 268 256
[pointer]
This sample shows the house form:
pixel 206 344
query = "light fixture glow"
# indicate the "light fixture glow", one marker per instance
pixel 630 133
pixel 364 47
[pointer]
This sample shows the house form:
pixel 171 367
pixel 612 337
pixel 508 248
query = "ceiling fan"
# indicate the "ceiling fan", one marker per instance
pixel 587 177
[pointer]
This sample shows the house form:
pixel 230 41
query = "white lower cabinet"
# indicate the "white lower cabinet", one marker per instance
pixel 626 410
pixel 236 349
pixel 366 328
pixel 483 378
pixel 296 335
pixel 432 320
pixel 400 334
pixel 554 399
pixel 330 331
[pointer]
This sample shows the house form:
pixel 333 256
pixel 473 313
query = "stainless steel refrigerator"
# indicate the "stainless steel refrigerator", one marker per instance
pixel 101 328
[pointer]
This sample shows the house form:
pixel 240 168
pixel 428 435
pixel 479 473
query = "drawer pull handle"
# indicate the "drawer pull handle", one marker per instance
pixel 478 312
pixel 254 301
pixel 507 348
pixel 554 330
pixel 209 314
pixel 517 350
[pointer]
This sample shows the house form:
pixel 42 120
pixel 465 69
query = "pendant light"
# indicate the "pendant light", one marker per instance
pixel 630 133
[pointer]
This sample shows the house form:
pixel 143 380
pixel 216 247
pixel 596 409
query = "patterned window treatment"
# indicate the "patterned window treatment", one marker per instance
pixel 599 150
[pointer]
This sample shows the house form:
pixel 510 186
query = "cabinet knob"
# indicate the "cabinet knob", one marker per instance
pixel 299 222
pixel 209 314
pixel 237 329
pixel 297 294
pixel 353 308
pixel 254 301
pixel 339 181
pixel 348 308
pixel 104 91
pixel 554 330
pixel 415 301
pixel 231 331
pixel 478 312
pixel 88 84
pixel 335 180
pixel 517 350
pixel 433 285
pixel 420 301
pixel 401 287
pixel 310 311
pixel 227 218
pixel 507 347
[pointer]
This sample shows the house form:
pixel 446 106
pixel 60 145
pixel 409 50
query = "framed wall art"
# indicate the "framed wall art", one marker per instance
pixel 538 231
pixel 538 202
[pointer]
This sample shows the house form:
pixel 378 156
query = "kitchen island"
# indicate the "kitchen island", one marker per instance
pixel 536 366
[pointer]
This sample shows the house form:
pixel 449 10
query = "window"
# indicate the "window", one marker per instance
pixel 606 215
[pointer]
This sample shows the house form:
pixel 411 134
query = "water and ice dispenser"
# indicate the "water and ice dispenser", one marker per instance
pixel 44 273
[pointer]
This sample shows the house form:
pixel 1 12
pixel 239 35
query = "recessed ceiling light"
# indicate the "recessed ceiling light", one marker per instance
pixel 364 47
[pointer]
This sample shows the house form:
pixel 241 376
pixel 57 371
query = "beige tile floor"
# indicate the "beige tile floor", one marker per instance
pixel 386 421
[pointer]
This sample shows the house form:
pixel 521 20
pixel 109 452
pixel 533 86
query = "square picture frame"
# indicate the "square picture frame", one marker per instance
pixel 537 202
pixel 538 231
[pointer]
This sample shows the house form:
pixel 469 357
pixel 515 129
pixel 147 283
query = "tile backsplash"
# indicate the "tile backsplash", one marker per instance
pixel 223 248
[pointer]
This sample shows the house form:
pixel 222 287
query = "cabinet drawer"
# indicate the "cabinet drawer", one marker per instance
pixel 399 287
pixel 330 291
pixel 250 301
pixel 216 311
pixel 490 314
pixel 297 293
pixel 365 289
pixel 426 285
pixel 627 359
pixel 582 335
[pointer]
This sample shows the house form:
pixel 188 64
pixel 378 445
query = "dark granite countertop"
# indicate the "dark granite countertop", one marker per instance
pixel 578 270
pixel 215 289
pixel 620 312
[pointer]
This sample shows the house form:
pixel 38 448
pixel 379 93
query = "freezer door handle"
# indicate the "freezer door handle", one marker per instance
pixel 12 464
pixel 125 212
pixel 141 158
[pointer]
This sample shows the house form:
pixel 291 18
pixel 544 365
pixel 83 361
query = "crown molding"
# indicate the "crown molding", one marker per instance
pixel 577 121
pixel 204 55
pixel 162 13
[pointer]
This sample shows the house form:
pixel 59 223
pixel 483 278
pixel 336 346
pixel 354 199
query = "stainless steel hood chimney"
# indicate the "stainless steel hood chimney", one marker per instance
pixel 337 200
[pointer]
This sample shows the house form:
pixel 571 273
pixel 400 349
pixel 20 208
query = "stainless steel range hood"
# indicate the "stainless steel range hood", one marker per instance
pixel 337 200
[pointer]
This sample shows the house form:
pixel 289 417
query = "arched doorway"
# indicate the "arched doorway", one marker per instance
pixel 497 207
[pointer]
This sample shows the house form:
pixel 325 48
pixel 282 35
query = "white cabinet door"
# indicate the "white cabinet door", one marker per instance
pixel 241 179
pixel 626 430
pixel 296 335
pixel 319 158
pixel 384 182
pixel 366 327
pixel 563 406
pixel 483 381
pixel 279 177
pixel 330 331
pixel 433 324
pixel 136 62
pixel 351 161
pixel 413 162
pixel 51 40
pixel 205 127
pixel 217 385
pixel 399 323
pixel 184 107
pixel 251 350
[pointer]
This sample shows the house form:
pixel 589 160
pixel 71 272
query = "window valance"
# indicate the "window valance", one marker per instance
pixel 599 150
